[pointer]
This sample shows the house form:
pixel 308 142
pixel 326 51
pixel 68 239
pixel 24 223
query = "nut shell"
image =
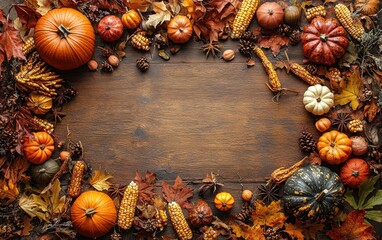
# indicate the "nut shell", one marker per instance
pixel 113 60
pixel 359 145
pixel 92 65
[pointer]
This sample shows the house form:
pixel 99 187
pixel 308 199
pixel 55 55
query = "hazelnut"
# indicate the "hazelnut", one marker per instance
pixel 113 60
pixel 246 195
pixel 228 55
pixel 93 65
pixel 359 145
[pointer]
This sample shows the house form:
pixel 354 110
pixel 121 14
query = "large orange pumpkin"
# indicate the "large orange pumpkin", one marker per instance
pixel 39 149
pixel 93 214
pixel 64 38
pixel 334 147
pixel 179 29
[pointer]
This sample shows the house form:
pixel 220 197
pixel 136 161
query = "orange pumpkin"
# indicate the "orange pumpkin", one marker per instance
pixel 179 29
pixel 39 149
pixel 270 15
pixel 224 201
pixel 110 28
pixel 64 38
pixel 323 124
pixel 131 19
pixel 93 214
pixel 39 104
pixel 354 172
pixel 334 147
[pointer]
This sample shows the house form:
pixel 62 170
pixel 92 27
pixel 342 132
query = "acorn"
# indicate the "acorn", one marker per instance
pixel 246 195
pixel 228 55
pixel 113 60
pixel 92 65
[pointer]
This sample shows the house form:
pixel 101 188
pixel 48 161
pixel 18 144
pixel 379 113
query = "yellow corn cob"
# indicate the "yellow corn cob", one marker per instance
pixel 302 73
pixel 244 17
pixel 140 41
pixel 161 219
pixel 318 11
pixel 179 221
pixel 29 46
pixel 128 204
pixel 274 81
pixel 354 29
pixel 74 188
pixel 47 126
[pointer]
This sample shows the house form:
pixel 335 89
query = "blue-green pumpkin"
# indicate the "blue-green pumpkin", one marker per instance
pixel 313 193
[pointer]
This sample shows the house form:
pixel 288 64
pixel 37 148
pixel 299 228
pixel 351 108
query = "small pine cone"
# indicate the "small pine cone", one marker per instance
pixel 307 142
pixel 312 68
pixel 294 37
pixel 247 43
pixel 76 151
pixel 140 41
pixel 375 154
pixel 70 92
pixel 143 64
pixel 355 126
pixel 245 213
pixel 272 234
pixel 284 30
pixel 106 51
pixel 106 67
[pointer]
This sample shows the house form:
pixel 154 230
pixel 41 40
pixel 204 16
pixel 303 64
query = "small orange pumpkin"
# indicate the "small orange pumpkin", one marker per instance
pixel 179 29
pixel 224 201
pixel 93 214
pixel 131 19
pixel 270 15
pixel 323 124
pixel 354 172
pixel 39 149
pixel 334 147
pixel 39 104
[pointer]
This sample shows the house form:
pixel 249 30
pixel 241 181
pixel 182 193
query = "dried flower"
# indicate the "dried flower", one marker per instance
pixel 268 192
pixel 212 48
pixel 341 121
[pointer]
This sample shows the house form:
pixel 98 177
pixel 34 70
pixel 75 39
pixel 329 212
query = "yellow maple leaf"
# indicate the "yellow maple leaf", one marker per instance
pixel 100 180
pixel 190 6
pixel 247 232
pixel 8 190
pixel 350 94
pixel 294 231
pixel 270 216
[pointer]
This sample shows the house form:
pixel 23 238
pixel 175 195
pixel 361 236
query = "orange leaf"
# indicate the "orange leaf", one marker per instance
pixel 247 232
pixel 274 42
pixel 353 228
pixel 270 216
pixel 294 231
pixel 178 193
pixel 8 190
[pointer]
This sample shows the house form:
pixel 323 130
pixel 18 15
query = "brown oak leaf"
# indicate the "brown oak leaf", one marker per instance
pixel 247 232
pixel 371 110
pixel 271 216
pixel 28 16
pixel 353 228
pixel 274 42
pixel 178 193
pixel 145 185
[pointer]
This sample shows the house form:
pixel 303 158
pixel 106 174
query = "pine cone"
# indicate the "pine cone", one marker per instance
pixel 294 37
pixel 284 30
pixel 271 234
pixel 143 64
pixel 106 67
pixel 76 151
pixel 246 43
pixel 245 213
pixel 376 155
pixel 312 68
pixel 307 142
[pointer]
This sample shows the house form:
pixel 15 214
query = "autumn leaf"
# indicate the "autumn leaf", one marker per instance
pixel 190 6
pixel 247 232
pixel 271 216
pixel 15 170
pixel 44 6
pixel 100 180
pixel 294 231
pixel 141 5
pixel 274 42
pixel 371 110
pixel 351 93
pixel 145 185
pixel 28 16
pixel 178 193
pixel 353 228
pixel 161 15
pixel 28 227
pixel 8 191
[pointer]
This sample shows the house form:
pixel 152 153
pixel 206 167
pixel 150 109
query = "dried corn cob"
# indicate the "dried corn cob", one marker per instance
pixel 140 41
pixel 29 46
pixel 274 82
pixel 44 124
pixel 161 219
pixel 179 221
pixel 74 188
pixel 313 12
pixel 355 29
pixel 127 207
pixel 244 17
pixel 302 73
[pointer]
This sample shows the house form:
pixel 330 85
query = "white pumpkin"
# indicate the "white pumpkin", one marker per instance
pixel 318 99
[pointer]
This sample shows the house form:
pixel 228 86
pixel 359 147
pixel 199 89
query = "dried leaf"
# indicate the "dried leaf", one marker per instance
pixel 8 191
pixel 371 110
pixel 15 170
pixel 221 227
pixel 353 227
pixel 247 232
pixel 145 185
pixel 351 93
pixel 294 231
pixel 251 63
pixel 175 6
pixel 141 5
pixel 44 6
pixel 274 42
pixel 271 216
pixel 161 15
pixel 178 193
pixel 190 6
pixel 28 227
pixel 27 15
pixel 100 180
pixel 163 54
pixel 210 182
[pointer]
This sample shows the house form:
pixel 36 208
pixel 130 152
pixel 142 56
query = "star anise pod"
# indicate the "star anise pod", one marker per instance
pixel 212 48
pixel 210 182
pixel 268 192
pixel 56 115
pixel 116 192
pixel 341 121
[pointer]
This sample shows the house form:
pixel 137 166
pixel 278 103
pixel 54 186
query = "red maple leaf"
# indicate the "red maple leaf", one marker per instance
pixel 274 42
pixel 178 193
pixel 28 16
pixel 145 185
pixel 353 228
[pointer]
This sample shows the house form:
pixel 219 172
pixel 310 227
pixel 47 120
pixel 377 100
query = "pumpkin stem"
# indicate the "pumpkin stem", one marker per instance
pixel 90 212
pixel 322 195
pixel 181 30
pixel 42 170
pixel 318 99
pixel 270 11
pixel 42 146
pixel 323 37
pixel 355 173
pixel 63 31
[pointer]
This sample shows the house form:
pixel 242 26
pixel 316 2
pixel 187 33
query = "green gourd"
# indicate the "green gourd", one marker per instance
pixel 41 174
